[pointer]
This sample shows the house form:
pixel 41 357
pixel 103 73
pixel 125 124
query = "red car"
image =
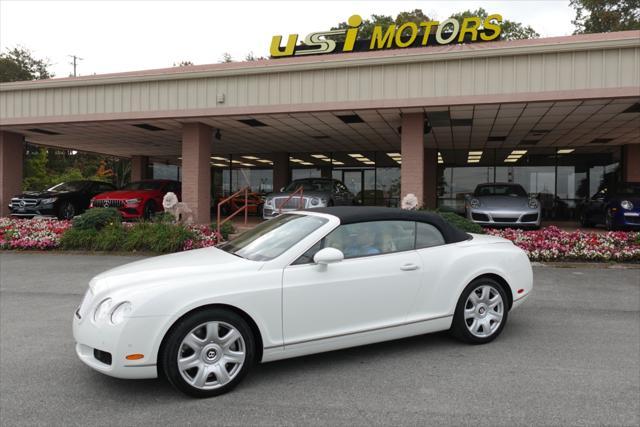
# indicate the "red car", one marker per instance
pixel 139 199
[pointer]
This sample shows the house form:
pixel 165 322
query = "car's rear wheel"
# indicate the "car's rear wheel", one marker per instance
pixel 481 312
pixel 66 210
pixel 208 353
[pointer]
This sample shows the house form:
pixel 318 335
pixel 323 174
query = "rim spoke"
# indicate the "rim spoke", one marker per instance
pixel 201 377
pixel 193 342
pixel 189 362
pixel 229 338
pixel 485 293
pixel 470 313
pixel 212 329
pixel 233 357
pixel 221 373
pixel 495 316
pixel 493 302
pixel 473 296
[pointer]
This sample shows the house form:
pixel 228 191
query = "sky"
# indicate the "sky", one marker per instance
pixel 113 36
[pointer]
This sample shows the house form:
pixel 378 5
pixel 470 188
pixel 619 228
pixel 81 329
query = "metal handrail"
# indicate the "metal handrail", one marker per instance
pixel 300 200
pixel 244 208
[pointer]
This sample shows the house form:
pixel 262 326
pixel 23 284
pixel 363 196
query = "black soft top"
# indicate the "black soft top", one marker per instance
pixel 353 214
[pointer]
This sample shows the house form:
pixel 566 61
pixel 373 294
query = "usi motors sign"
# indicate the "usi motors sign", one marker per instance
pixel 409 34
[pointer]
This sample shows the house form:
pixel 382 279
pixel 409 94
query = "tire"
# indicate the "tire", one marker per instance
pixel 66 210
pixel 584 222
pixel 196 339
pixel 471 318
pixel 148 210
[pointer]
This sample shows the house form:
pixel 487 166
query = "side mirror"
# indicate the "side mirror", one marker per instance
pixel 328 256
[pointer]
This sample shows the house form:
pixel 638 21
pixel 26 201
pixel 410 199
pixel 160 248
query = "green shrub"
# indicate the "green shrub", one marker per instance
pixel 81 239
pixel 461 222
pixel 156 237
pixel 226 229
pixel 163 218
pixel 110 238
pixel 97 218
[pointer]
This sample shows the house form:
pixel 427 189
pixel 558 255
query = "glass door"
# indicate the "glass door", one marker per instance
pixel 353 180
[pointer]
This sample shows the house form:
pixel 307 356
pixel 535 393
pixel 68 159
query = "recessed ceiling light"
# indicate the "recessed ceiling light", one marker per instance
pixel 475 153
pixel 519 152
pixel 394 154
pixel 306 163
pixel 246 164
pixel 236 161
pixel 250 157
pixel 264 161
pixel 326 160
pixel 440 161
pixel 356 155
pixel 475 157
pixel 338 163
pixel 220 158
pixel 473 161
pixel 510 160
pixel 566 150
pixel 319 156
pixel 369 162
pixel 220 165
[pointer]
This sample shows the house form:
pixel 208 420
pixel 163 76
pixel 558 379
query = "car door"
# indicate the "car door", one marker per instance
pixel 372 288
pixel 595 208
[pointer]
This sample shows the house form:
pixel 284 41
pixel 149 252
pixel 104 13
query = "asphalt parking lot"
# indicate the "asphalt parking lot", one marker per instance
pixel 569 356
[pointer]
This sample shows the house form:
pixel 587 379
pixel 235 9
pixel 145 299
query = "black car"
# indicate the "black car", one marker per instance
pixel 616 207
pixel 64 200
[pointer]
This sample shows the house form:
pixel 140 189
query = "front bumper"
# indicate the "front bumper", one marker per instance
pixel 30 212
pixel 628 219
pixel 493 218
pixel 114 343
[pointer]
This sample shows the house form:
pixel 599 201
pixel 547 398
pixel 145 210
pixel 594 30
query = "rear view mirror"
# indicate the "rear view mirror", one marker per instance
pixel 328 256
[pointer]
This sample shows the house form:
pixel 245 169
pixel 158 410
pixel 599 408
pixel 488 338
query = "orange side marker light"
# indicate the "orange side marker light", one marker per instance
pixel 135 356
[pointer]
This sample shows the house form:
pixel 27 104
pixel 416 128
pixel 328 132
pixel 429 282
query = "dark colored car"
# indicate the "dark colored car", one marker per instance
pixel 616 207
pixel 64 200
pixel 140 199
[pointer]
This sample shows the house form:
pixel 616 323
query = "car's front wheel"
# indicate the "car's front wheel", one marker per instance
pixel 481 312
pixel 66 210
pixel 208 353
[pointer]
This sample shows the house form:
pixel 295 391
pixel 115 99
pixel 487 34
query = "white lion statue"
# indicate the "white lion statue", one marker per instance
pixel 179 210
pixel 410 202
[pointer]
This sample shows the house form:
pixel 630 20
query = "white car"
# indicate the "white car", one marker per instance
pixel 302 283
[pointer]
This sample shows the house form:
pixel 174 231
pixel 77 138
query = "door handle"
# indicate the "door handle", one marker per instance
pixel 409 267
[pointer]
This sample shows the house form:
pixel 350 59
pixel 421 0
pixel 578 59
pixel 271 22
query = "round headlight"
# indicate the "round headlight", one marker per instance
pixel 533 203
pixel 626 204
pixel 315 201
pixel 475 203
pixel 102 310
pixel 120 312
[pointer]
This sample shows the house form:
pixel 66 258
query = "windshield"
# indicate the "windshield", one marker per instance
pixel 500 190
pixel 310 185
pixel 628 189
pixel 144 185
pixel 272 238
pixel 69 186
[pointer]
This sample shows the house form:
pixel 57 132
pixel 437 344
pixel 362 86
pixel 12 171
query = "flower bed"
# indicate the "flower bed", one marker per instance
pixel 553 244
pixel 31 234
pixel 47 234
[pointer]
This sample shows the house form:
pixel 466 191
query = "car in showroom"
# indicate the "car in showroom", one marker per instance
pixel 139 199
pixel 305 282
pixel 503 205
pixel 615 206
pixel 64 200
pixel 316 193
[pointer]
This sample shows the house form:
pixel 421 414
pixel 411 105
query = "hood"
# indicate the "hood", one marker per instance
pixel 207 262
pixel 124 194
pixel 326 194
pixel 42 194
pixel 503 202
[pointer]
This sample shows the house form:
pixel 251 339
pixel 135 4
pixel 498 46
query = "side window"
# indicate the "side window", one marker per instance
pixel 372 238
pixel 307 257
pixel 427 236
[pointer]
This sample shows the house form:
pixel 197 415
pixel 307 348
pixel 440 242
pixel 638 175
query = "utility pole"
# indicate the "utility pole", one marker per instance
pixel 75 63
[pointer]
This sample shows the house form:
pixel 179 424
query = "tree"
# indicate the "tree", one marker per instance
pixel 603 16
pixel 511 30
pixel 183 64
pixel 18 64
pixel 226 57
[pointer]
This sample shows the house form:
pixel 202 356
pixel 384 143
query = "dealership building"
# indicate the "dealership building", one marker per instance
pixel 560 116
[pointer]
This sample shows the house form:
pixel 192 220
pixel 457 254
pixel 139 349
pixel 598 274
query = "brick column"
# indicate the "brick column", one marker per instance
pixel 196 170
pixel 430 181
pixel 11 153
pixel 631 163
pixel 139 168
pixel 412 173
pixel 281 173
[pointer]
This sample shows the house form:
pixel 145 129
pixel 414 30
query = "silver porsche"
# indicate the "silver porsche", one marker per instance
pixel 503 204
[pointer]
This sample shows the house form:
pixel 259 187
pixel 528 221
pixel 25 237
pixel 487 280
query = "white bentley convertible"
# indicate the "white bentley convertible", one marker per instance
pixel 304 282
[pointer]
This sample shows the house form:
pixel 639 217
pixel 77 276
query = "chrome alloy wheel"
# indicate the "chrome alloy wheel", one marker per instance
pixel 483 311
pixel 211 355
